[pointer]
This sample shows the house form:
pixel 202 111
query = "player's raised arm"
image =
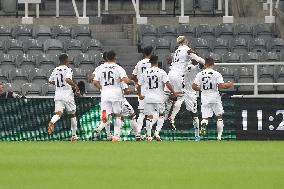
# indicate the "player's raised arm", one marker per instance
pixel 226 85
pixel 194 56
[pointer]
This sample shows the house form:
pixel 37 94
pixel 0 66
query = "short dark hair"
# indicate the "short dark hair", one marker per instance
pixel 62 58
pixel 209 61
pixel 105 55
pixel 110 55
pixel 148 50
pixel 154 59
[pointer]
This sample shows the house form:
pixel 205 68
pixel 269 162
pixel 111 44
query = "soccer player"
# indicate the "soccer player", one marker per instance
pixel 154 80
pixel 209 82
pixel 61 77
pixel 141 66
pixel 108 78
pixel 181 59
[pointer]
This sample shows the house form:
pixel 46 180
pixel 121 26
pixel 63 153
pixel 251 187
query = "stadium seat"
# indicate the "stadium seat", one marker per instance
pixel 91 89
pixel 201 45
pixel 205 31
pixel 62 33
pixel 8 62
pixel 174 45
pixel 22 32
pixel 252 57
pixel 4 76
pixel 167 32
pixel 243 31
pixel 246 76
pixel 2 47
pixel 147 35
pixel 33 46
pixel 162 49
pixel 99 59
pixel 18 76
pixel 73 47
pixel 280 77
pixel 216 57
pixel 231 58
pixel 46 61
pixel 85 61
pixel 81 32
pixel 225 31
pixel 47 89
pixel 266 75
pixel 31 89
pixel 5 33
pixel 92 46
pixel 263 31
pixel 240 46
pixel 257 45
pixel 206 6
pixel 14 46
pixel 42 33
pixel 13 87
pixel 38 76
pixel 26 62
pixel 188 31
pixel 220 46
pixel 276 45
pixel 270 57
pixel 80 75
pixel 53 47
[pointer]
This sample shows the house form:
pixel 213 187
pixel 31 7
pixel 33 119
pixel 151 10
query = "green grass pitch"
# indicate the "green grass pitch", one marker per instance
pixel 135 165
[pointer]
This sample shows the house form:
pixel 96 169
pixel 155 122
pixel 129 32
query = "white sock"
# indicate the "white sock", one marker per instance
pixel 55 118
pixel 196 126
pixel 220 126
pixel 160 124
pixel 108 129
pixel 117 127
pixel 140 121
pixel 149 125
pixel 101 126
pixel 74 126
pixel 176 108
pixel 134 126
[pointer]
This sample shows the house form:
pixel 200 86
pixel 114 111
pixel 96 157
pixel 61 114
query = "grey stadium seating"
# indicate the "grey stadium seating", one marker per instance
pixel 243 31
pixel 22 32
pixel 42 33
pixel 7 61
pixel 81 32
pixel 162 49
pixel 276 45
pixel 266 75
pixel 167 32
pixel 14 46
pixel 80 75
pixel 85 61
pixel 5 33
pixel 225 31
pixel 33 46
pixel 38 76
pixel 53 47
pixel 61 32
pixel 186 30
pixel 240 46
pixel 201 45
pixel 26 62
pixel 91 89
pixel 231 57
pixel 18 76
pixel 92 46
pixel 48 89
pixel 252 57
pixel 263 31
pixel 245 76
pixel 73 47
pixel 4 76
pixel 31 89
pixel 13 87
pixel 220 46
pixel 257 45
pixel 46 61
pixel 280 77
pixel 228 74
pixel 147 35
pixel 205 31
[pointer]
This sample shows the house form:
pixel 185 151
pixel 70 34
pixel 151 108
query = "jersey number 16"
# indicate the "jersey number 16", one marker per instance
pixel 108 77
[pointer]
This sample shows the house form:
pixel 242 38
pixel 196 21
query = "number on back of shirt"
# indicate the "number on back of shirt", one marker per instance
pixel 153 82
pixel 59 80
pixel 108 78
pixel 143 69
pixel 207 83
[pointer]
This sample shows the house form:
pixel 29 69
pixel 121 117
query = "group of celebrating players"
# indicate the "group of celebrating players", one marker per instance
pixel 160 95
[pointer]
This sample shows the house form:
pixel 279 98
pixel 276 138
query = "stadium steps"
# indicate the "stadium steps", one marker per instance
pixel 123 49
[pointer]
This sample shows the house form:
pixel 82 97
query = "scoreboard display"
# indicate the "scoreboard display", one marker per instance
pixel 259 118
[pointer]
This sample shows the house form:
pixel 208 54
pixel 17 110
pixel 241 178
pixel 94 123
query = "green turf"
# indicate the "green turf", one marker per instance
pixel 101 165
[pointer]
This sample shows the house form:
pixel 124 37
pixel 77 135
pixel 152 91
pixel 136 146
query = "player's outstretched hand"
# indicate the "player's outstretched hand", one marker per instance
pixel 230 84
pixel 141 97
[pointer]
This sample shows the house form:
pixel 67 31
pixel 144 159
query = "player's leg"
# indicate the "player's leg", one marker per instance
pixel 207 112
pixel 128 110
pixel 106 111
pixel 59 108
pixel 117 111
pixel 150 113
pixel 71 110
pixel 141 115
pixel 219 111
pixel 175 111
pixel 190 101
pixel 160 122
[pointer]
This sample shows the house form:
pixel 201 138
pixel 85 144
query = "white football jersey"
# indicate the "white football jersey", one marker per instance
pixel 191 72
pixel 63 90
pixel 109 76
pixel 154 79
pixel 208 81
pixel 181 59
pixel 140 67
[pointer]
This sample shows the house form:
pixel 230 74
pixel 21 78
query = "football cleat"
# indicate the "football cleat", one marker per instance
pixel 115 139
pixel 98 135
pixel 157 137
pixel 75 138
pixel 109 138
pixel 202 131
pixel 138 138
pixel 50 128
pixel 149 139
pixel 219 138
pixel 197 138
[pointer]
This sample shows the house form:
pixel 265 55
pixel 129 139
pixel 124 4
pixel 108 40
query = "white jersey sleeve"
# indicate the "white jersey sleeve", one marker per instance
pixel 135 71
pixel 197 79
pixel 197 58
pixel 122 72
pixel 165 77
pixel 219 78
